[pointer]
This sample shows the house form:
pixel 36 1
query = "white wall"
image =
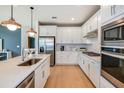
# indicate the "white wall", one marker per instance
pixel 36 38
pixel 0 44
pixel 24 37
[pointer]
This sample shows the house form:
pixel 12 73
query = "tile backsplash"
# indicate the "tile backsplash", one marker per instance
pixel 69 47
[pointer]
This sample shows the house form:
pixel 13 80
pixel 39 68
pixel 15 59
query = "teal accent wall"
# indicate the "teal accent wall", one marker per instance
pixel 11 39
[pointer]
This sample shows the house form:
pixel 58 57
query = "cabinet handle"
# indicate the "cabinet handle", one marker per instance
pixel 83 61
pixel 111 10
pixel 114 6
pixel 88 66
pixel 43 74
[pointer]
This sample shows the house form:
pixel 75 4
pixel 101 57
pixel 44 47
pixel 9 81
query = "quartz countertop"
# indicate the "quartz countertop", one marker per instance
pixel 95 58
pixel 12 75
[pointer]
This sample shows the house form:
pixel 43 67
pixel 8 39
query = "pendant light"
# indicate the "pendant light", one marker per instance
pixel 11 24
pixel 31 31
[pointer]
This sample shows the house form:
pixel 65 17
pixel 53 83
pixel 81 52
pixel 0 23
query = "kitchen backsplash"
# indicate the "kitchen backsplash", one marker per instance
pixel 95 45
pixel 69 47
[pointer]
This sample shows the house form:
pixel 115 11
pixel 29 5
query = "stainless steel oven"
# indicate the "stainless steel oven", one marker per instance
pixel 113 64
pixel 112 54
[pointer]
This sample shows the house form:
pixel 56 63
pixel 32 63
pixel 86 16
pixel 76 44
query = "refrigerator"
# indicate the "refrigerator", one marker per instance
pixel 47 46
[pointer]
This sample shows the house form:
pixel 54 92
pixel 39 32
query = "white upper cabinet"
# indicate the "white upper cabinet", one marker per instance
pixel 94 22
pixel 76 35
pixel 84 32
pixel 88 26
pixel 111 11
pixel 47 30
pixel 69 35
pixel 59 36
pixel 63 35
pixel 118 9
pixel 106 13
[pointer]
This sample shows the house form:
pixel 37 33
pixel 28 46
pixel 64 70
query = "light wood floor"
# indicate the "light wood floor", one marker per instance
pixel 67 77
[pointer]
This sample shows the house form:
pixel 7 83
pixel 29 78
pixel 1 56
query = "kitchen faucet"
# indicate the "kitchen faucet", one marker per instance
pixel 24 54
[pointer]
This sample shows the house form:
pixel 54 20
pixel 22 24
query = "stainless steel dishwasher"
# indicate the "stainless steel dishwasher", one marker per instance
pixel 29 82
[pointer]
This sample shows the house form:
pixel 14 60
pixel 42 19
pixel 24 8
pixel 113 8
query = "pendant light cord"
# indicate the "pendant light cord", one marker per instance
pixel 11 11
pixel 31 16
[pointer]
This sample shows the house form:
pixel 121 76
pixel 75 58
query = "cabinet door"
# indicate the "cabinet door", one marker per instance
pixel 67 35
pixel 94 22
pixel 86 66
pixel 80 60
pixel 119 9
pixel 106 13
pixel 99 18
pixel 95 73
pixel 76 35
pixel 39 77
pixel 59 35
pixel 61 58
pixel 43 31
pixel 51 30
pixel 47 68
pixel 88 26
pixel 47 31
pixel 73 56
pixel 84 32
pixel 83 64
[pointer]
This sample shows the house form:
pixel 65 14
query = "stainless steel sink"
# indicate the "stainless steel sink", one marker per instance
pixel 30 62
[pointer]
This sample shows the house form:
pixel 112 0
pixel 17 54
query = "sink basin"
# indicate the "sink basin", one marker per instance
pixel 30 62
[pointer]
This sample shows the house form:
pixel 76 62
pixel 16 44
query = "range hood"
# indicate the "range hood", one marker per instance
pixel 92 34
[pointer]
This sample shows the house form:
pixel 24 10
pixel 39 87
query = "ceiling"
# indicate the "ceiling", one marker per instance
pixel 66 14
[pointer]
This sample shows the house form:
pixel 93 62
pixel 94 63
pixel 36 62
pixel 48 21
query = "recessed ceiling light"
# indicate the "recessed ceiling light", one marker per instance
pixel 54 17
pixel 72 18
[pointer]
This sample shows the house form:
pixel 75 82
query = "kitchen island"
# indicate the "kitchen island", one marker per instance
pixel 11 75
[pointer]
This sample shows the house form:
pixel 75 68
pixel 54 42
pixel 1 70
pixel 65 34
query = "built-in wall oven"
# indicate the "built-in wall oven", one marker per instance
pixel 113 53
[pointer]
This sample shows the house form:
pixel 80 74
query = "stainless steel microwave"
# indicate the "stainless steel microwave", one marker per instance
pixel 113 32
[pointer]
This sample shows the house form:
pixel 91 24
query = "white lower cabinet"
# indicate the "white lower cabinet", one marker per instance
pixel 91 68
pixel 42 74
pixel 105 84
pixel 66 57
pixel 86 66
pixel 95 73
